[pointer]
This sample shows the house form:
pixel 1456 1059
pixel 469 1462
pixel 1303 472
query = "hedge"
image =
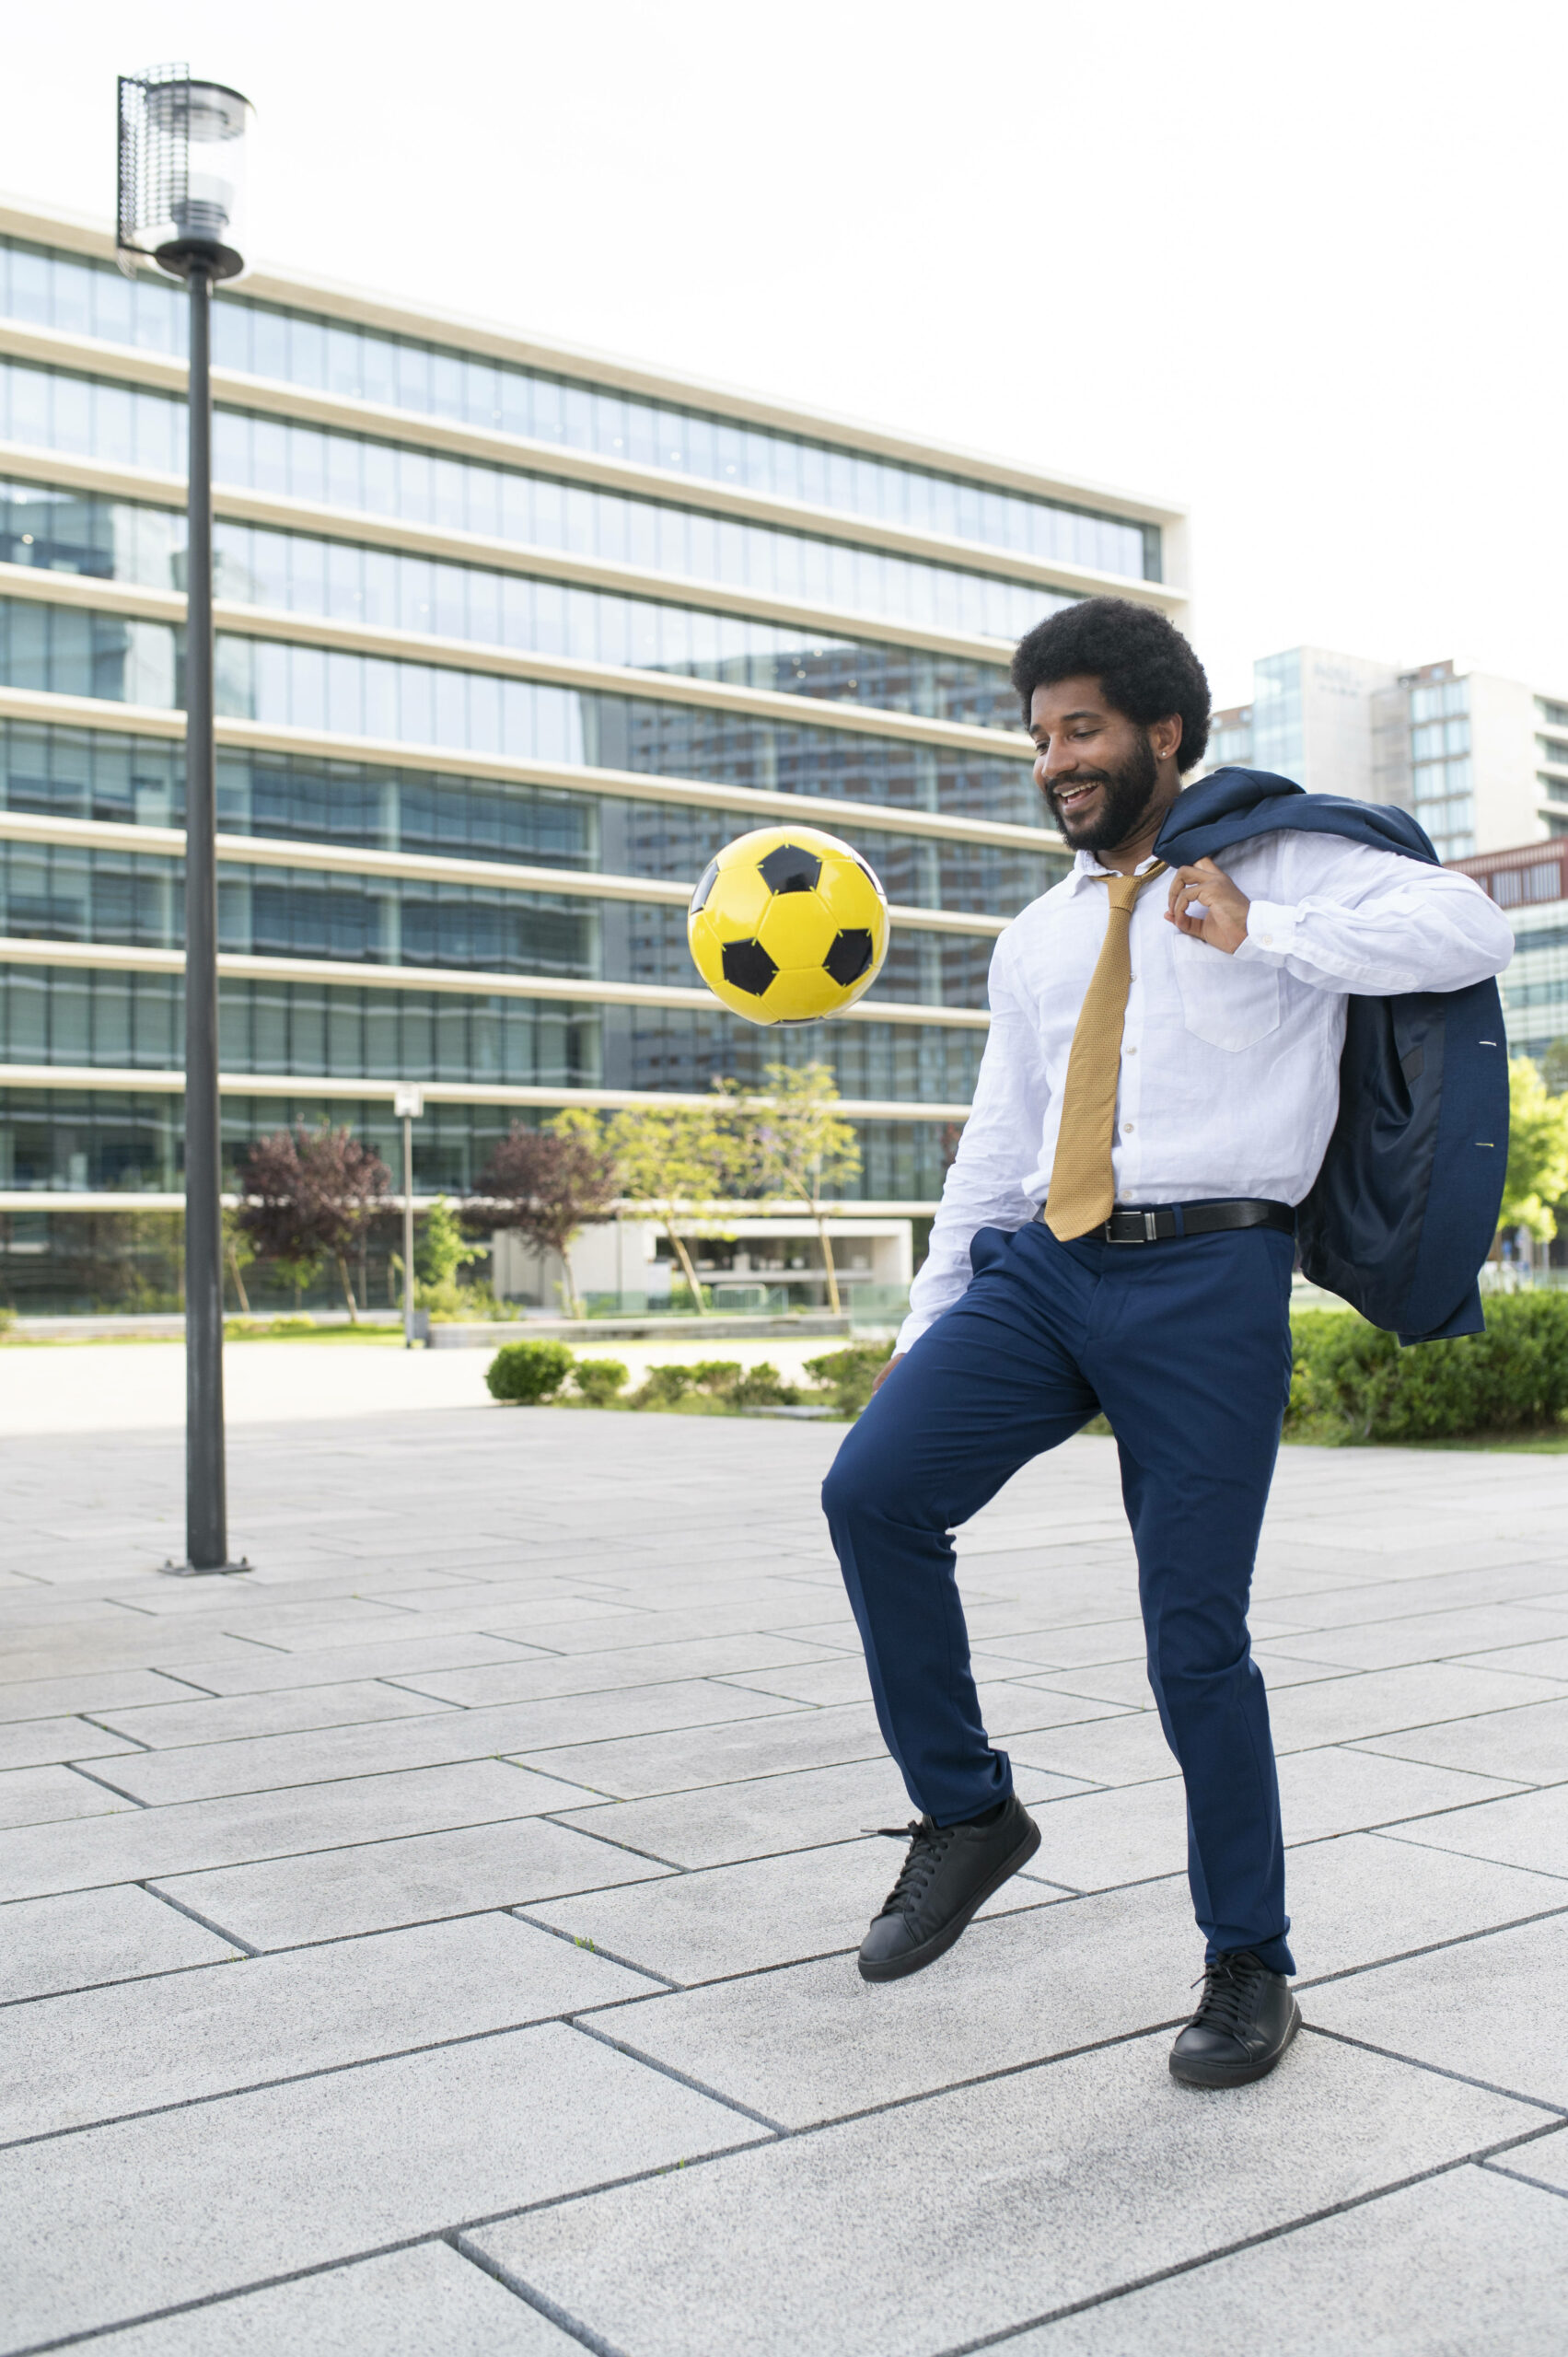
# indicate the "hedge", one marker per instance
pixel 525 1373
pixel 1352 1383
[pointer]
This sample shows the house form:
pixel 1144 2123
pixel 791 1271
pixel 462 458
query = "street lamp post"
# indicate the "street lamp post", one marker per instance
pixel 408 1104
pixel 182 157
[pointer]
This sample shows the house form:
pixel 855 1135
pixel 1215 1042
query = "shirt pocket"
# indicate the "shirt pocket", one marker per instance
pixel 1229 1003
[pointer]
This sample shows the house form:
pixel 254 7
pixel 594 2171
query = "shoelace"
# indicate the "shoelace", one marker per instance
pixel 1230 1986
pixel 928 1847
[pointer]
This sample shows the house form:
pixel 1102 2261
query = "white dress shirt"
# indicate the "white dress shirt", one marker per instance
pixel 1230 1064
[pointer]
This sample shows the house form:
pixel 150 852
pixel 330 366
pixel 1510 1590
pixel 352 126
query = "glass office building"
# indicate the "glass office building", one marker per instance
pixel 510 641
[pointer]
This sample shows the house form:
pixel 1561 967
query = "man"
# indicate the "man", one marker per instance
pixel 1157 1092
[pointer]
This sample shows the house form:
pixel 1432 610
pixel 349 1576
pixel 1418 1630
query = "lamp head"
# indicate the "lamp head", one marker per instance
pixel 182 173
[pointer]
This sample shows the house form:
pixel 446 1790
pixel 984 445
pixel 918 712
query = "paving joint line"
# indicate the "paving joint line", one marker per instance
pixel 681 2078
pixel 88 1719
pixel 538 2301
pixel 236 2292
pixel 1439 2071
pixel 565 2019
pixel 558 1931
pixel 77 1769
pixel 1432 1947
pixel 1391 1833
pixel 178 1907
pixel 1522 2177
pixel 1229 2250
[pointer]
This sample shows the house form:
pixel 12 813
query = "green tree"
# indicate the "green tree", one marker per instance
pixel 1537 1151
pixel 674 1162
pixel 800 1146
pixel 441 1251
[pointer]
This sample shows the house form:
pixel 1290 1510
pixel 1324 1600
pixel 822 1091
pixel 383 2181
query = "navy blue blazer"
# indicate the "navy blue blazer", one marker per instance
pixel 1404 1208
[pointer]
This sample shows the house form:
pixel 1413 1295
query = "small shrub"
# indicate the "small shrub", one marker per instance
pixel 1352 1383
pixel 760 1386
pixel 716 1375
pixel 663 1386
pixel 599 1380
pixel 850 1374
pixel 524 1373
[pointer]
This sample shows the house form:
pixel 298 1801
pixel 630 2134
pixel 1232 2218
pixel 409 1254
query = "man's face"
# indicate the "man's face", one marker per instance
pixel 1095 768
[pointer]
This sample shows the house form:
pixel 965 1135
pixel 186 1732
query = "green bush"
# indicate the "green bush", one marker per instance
pixel 599 1380
pixel 663 1386
pixel 714 1387
pixel 1352 1383
pixel 851 1374
pixel 761 1387
pixel 525 1373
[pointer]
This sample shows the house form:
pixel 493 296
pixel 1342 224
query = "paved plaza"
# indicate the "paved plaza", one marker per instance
pixel 440 1942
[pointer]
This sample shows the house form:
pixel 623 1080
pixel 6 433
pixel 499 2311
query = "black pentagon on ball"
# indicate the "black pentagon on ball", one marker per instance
pixel 748 966
pixel 789 867
pixel 705 883
pixel 850 956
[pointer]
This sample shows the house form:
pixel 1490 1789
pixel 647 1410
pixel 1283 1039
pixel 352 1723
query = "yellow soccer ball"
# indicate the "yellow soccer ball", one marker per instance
pixel 789 924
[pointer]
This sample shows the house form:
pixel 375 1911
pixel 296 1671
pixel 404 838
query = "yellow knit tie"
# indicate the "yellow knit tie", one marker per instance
pixel 1083 1189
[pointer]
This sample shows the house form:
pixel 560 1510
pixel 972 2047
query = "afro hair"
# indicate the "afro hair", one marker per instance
pixel 1144 667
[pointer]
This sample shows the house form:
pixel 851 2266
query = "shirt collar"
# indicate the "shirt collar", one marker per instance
pixel 1086 867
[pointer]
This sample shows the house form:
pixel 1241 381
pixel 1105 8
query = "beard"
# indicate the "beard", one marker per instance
pixel 1129 790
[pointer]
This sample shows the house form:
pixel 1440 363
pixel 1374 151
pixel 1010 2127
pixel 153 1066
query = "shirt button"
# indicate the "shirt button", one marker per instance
pixel 1266 938
pixel 1129 1051
pixel 1128 1128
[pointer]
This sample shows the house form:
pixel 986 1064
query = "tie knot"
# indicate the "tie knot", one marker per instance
pixel 1124 889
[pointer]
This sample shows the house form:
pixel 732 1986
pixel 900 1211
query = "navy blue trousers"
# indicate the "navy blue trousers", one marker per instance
pixel 1186 1347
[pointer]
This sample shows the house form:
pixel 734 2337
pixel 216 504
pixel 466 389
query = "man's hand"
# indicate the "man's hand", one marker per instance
pixel 886 1371
pixel 1220 919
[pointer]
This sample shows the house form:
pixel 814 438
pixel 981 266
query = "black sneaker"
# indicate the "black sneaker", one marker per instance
pixel 950 1871
pixel 1243 2024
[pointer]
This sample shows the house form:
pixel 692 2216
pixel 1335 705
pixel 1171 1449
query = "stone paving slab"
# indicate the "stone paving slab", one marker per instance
pixel 169 1726
pixel 1038 2190
pixel 645 1765
pixel 1362 1898
pixel 1362 2282
pixel 434 1739
pixel 1528 1744
pixel 218 2195
pixel 1531 1831
pixel 284 1902
pixel 112 2052
pixel 1490 2009
pixel 411 2303
pixel 1350 1709
pixel 46 1796
pixel 137 1844
pixel 253 1671
pixel 87 1937
pixel 762 1816
pixel 760 1659
pixel 40 1698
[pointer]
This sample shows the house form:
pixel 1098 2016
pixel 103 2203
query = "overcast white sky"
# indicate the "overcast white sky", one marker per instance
pixel 1299 267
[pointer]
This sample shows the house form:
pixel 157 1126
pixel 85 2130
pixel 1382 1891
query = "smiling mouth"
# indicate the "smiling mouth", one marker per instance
pixel 1073 798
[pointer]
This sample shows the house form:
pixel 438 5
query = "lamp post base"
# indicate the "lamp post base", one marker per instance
pixel 172 1570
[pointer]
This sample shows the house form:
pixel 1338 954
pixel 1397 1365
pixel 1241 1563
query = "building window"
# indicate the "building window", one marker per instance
pixel 89 298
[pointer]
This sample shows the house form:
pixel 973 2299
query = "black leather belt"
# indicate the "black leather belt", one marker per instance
pixel 1162 1222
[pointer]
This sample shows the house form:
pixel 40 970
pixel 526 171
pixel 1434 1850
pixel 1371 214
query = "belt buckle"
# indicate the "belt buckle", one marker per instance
pixel 1151 1229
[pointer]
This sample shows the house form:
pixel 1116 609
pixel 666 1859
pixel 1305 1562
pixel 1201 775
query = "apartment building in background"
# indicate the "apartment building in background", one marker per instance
pixel 511 638
pixel 1530 884
pixel 1481 760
